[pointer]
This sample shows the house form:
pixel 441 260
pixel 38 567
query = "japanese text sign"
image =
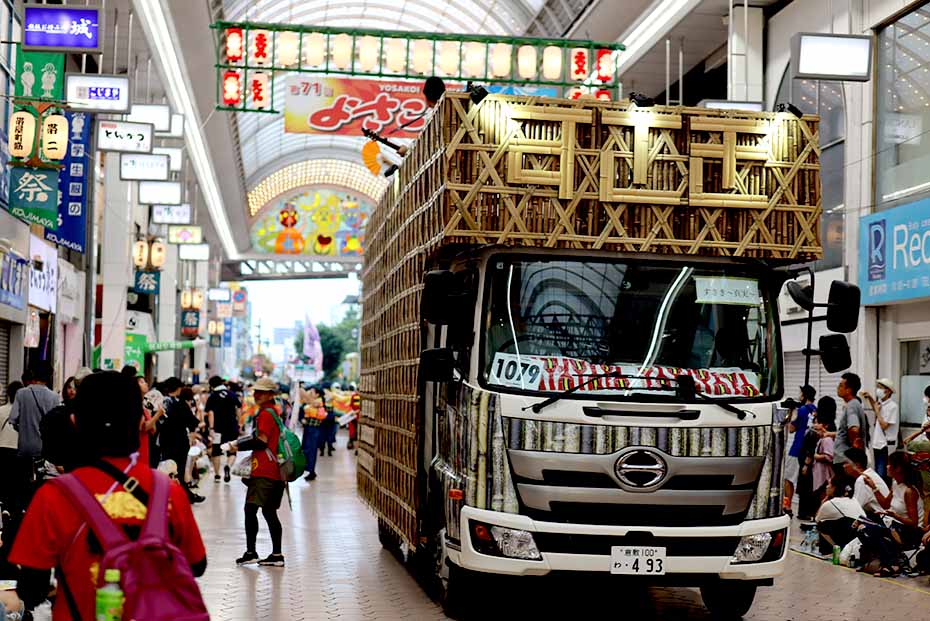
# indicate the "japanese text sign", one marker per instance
pixel 329 105
pixel 171 214
pixel 43 282
pixel 135 350
pixel 123 136
pixel 93 92
pixel 185 234
pixel 34 195
pixel 13 281
pixel 72 186
pixel 40 75
pixel 227 332
pixel 143 167
pixel 727 290
pixel 190 323
pixel 62 28
pixel 147 282
pixel 216 340
pixel 894 254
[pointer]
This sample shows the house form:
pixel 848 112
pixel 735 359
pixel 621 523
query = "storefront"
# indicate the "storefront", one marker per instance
pixel 14 275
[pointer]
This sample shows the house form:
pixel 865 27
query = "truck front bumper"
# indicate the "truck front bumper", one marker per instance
pixel 594 547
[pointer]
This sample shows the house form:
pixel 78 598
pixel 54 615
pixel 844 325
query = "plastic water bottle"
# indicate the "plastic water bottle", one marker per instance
pixel 836 556
pixel 110 598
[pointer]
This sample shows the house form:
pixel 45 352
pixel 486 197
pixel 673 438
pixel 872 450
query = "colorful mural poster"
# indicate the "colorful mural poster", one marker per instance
pixel 316 222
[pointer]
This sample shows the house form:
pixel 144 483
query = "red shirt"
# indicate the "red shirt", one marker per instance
pixel 264 462
pixel 54 534
pixel 144 438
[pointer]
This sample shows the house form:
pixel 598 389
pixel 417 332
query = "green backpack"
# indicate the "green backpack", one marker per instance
pixel 291 458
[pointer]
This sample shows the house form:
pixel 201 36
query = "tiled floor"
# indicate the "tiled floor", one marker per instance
pixel 338 571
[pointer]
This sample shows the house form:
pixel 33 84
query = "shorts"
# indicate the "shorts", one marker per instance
pixel 266 493
pixel 792 469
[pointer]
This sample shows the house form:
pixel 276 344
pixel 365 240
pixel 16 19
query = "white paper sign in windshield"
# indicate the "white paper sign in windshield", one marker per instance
pixel 515 371
pixel 727 290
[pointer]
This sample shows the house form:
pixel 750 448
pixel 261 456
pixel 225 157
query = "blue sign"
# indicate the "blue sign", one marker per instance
pixel 227 332
pixel 72 185
pixel 147 282
pixel 526 91
pixel 894 254
pixel 13 281
pixel 61 28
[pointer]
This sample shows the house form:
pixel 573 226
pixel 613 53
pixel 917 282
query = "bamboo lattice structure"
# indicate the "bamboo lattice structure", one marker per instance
pixel 591 176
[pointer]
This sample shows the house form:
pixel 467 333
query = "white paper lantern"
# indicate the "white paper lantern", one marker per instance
pixel 157 254
pixel 501 56
pixel 449 57
pixel 526 62
pixel 315 49
pixel 394 55
pixel 186 297
pixel 288 48
pixel 22 134
pixel 342 51
pixel 197 299
pixel 368 53
pixel 552 63
pixel 55 137
pixel 473 63
pixel 260 90
pixel 260 54
pixel 422 56
pixel 140 254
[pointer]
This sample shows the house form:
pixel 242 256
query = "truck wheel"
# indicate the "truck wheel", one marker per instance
pixel 388 538
pixel 728 600
pixel 457 592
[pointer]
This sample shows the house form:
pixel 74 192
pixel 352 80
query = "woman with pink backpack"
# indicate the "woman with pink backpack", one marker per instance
pixel 114 529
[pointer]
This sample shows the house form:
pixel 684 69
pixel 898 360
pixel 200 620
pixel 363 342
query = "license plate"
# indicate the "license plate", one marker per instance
pixel 637 561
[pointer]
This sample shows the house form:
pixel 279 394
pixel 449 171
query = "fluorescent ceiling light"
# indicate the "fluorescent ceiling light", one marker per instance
pixel 156 19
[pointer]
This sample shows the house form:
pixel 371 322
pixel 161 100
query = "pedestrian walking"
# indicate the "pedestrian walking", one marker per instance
pixel 36 400
pixel 265 485
pixel 175 429
pixel 223 420
pixel 312 416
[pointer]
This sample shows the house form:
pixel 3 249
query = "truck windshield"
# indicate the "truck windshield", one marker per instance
pixel 551 325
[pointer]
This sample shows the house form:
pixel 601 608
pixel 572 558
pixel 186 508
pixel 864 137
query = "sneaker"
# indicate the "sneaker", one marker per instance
pixel 225 475
pixel 272 560
pixel 195 498
pixel 249 558
pixel 216 478
pixel 310 477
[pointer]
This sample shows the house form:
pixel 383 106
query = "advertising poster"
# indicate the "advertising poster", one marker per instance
pixel 134 351
pixel 13 281
pixel 41 75
pixel 894 246
pixel 72 186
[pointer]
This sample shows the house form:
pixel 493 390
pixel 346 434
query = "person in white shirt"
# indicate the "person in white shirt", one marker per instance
pixel 837 519
pixel 885 434
pixel 867 481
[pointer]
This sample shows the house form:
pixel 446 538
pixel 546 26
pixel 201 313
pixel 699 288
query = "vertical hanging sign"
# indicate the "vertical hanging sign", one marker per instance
pixel 72 185
pixel 41 75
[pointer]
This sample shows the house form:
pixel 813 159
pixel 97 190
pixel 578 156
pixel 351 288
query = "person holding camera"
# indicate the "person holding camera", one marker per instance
pixel 885 434
pixel 797 428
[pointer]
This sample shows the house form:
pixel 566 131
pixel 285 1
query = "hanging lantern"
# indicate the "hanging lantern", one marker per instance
pixel 552 63
pixel 605 65
pixel 232 88
pixel 55 137
pixel 261 48
pixel 315 49
pixel 394 52
pixel 500 60
pixel 211 327
pixel 368 48
pixel 186 299
pixel 449 57
pixel 157 254
pixel 22 134
pixel 526 62
pixel 234 45
pixel 140 254
pixel 422 57
pixel 473 65
pixel 578 67
pixel 197 299
pixel 603 95
pixel 288 48
pixel 260 90
pixel 342 51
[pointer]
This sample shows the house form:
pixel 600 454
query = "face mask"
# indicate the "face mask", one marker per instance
pixel 880 392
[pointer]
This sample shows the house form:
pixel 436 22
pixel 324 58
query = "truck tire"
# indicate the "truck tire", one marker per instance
pixel 457 593
pixel 728 600
pixel 388 538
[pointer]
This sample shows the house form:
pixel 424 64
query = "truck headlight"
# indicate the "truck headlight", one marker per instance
pixel 503 541
pixel 760 548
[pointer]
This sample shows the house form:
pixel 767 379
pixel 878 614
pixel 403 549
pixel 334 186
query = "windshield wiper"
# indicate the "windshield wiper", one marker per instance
pixel 686 390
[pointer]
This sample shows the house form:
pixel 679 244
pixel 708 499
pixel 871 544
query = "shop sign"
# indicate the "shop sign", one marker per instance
pixel 175 156
pixel 903 128
pixel 227 332
pixel 63 28
pixel 170 345
pixel 894 262
pixel 34 195
pixel 160 193
pixel 190 323
pixel 69 292
pixel 159 115
pixel 171 214
pixel 94 92
pixel 143 167
pixel 124 137
pixel 147 282
pixel 41 75
pixel 240 300
pixel 135 350
pixel 219 294
pixel 43 281
pixel 185 234
pixel 72 186
pixel 216 340
pixel 33 327
pixel 194 252
pixel 224 310
pixel 13 281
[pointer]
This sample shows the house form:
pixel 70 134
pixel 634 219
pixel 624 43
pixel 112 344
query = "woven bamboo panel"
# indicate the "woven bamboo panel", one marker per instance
pixel 563 174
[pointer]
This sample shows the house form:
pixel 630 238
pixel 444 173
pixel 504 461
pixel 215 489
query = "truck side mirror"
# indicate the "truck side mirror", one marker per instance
pixel 834 353
pixel 802 295
pixel 843 307
pixel 437 289
pixel 437 365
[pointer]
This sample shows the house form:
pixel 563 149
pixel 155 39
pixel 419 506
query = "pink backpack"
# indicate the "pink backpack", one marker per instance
pixel 156 578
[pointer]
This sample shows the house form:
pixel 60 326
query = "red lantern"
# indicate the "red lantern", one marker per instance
pixel 234 44
pixel 605 65
pixel 603 95
pixel 232 88
pixel 579 64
